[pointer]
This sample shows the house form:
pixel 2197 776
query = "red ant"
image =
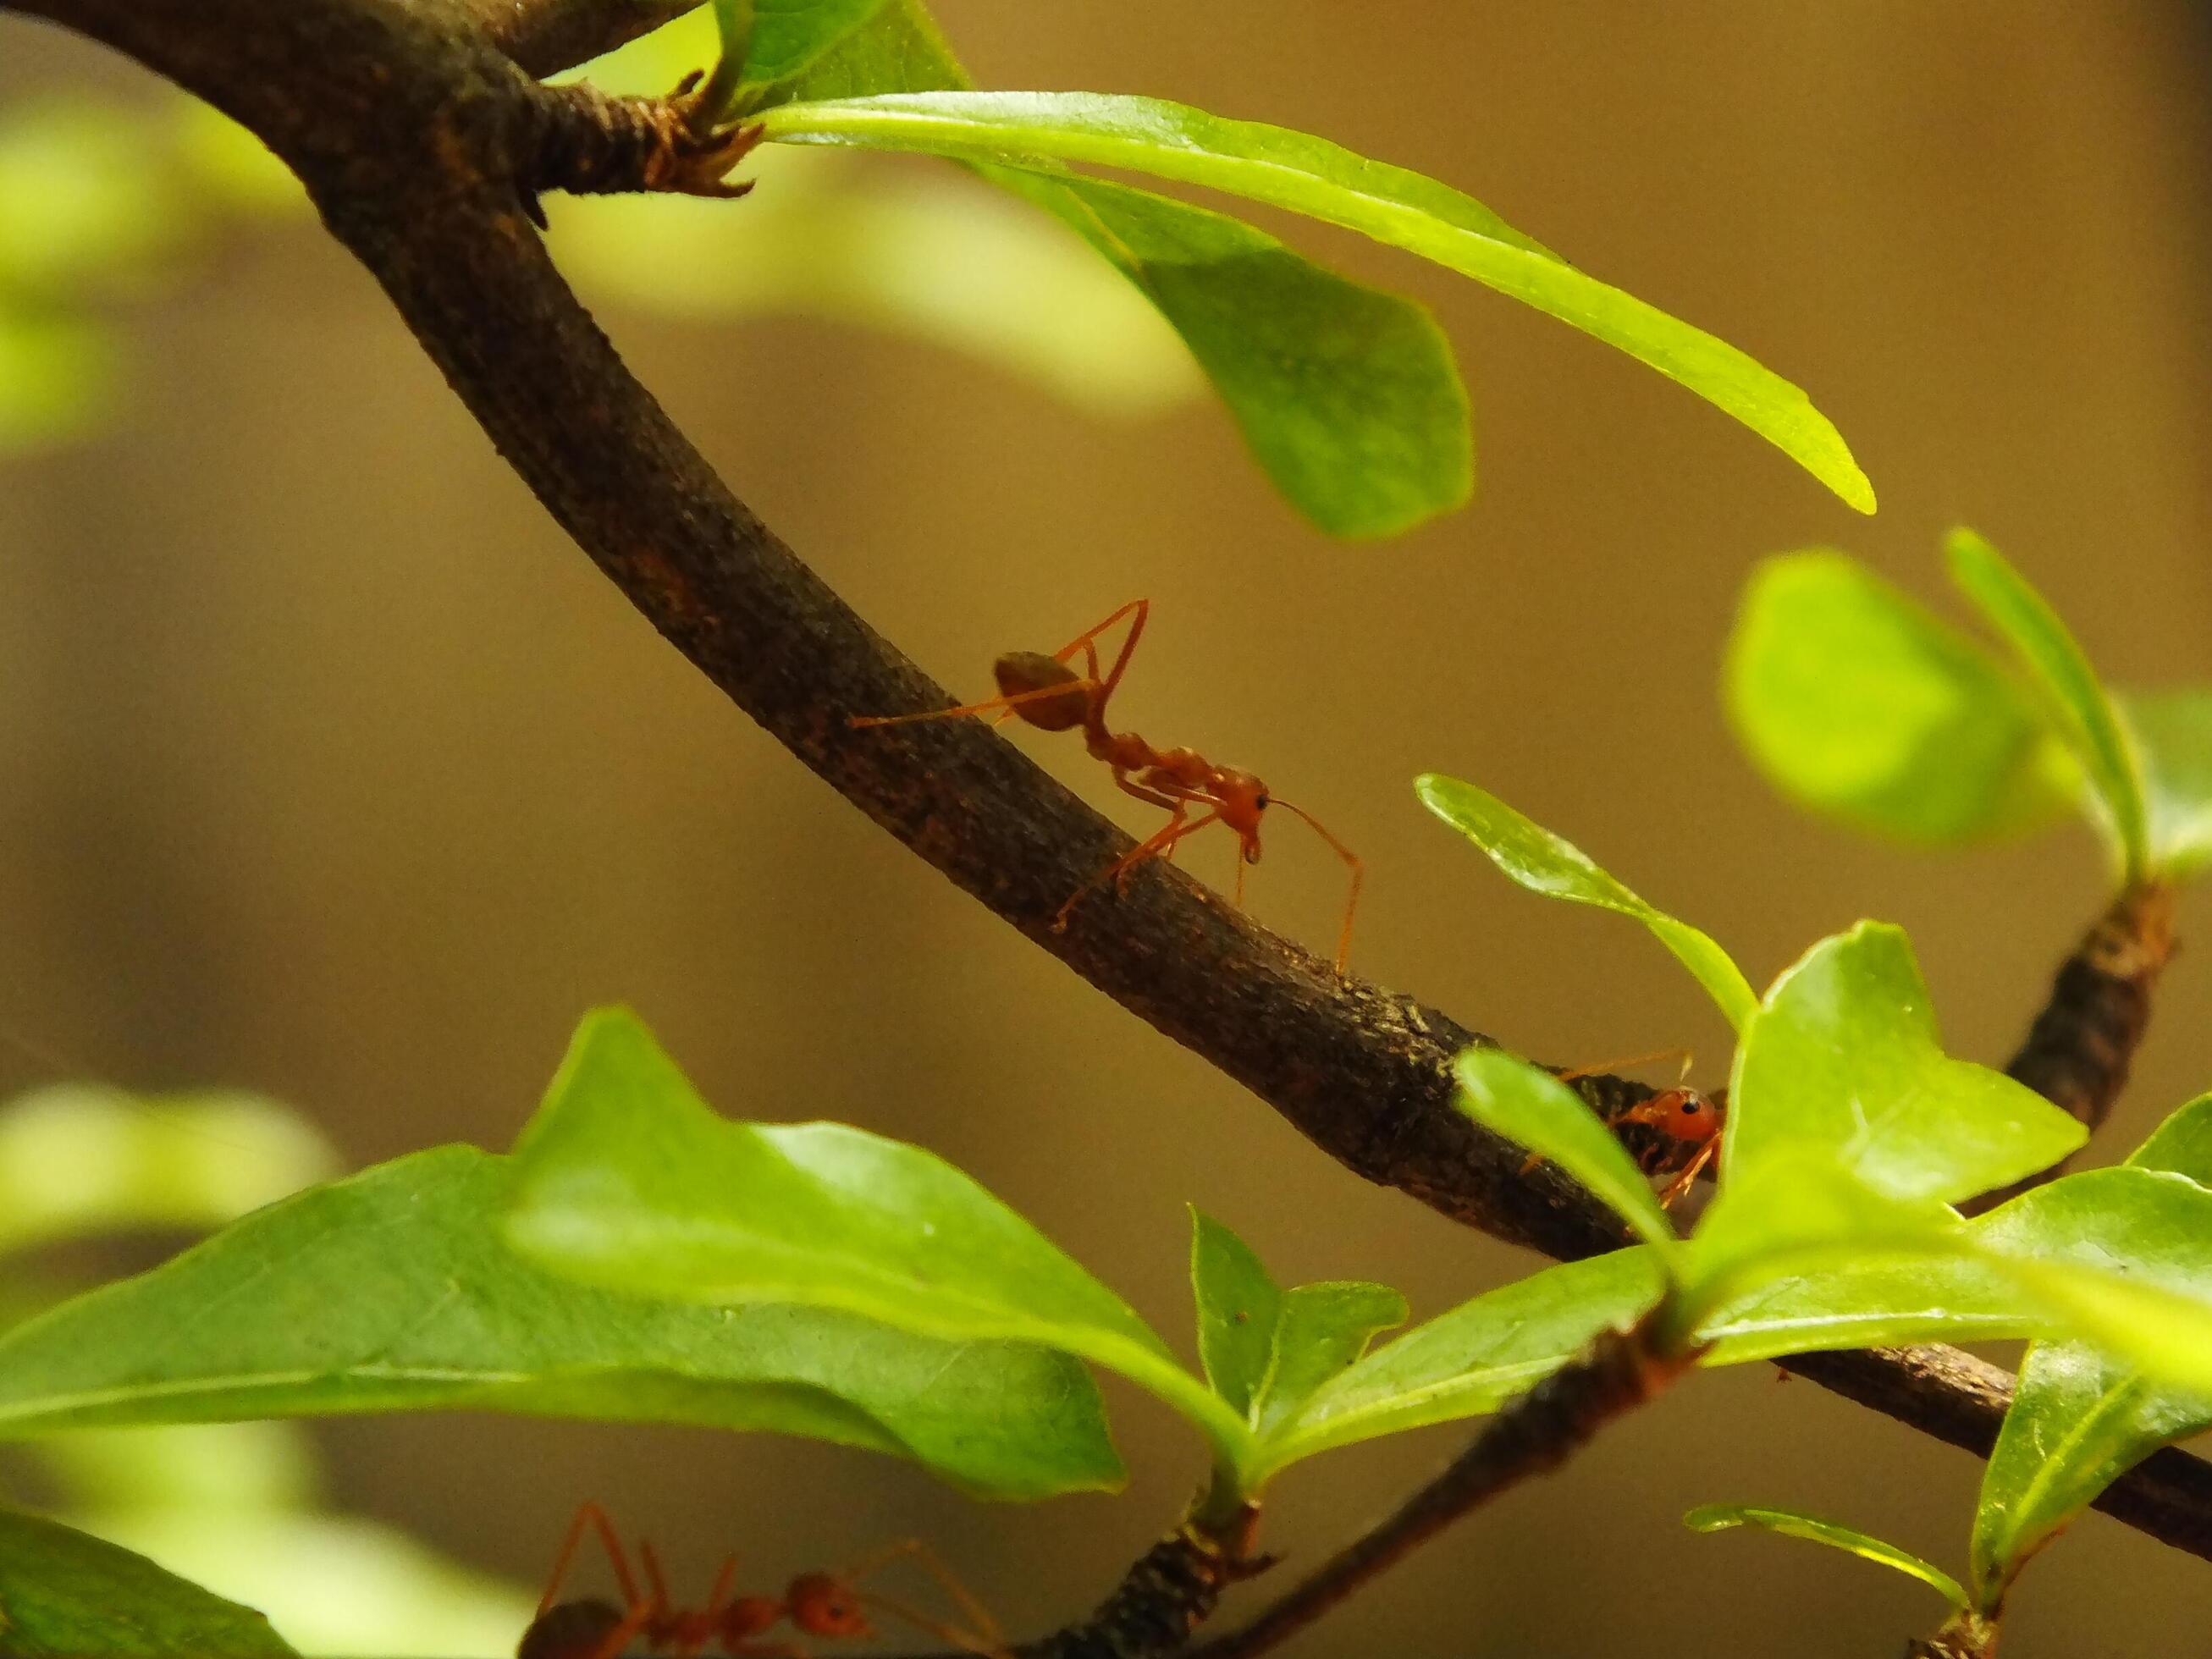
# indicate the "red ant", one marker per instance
pixel 821 1604
pixel 1050 696
pixel 1675 1132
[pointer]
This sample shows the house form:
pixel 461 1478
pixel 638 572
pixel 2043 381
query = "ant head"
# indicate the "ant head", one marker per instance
pixel 1028 671
pixel 823 1604
pixel 1244 802
pixel 1682 1115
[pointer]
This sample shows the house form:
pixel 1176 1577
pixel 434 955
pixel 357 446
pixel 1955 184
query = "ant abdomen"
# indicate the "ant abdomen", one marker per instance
pixel 1020 672
pixel 573 1630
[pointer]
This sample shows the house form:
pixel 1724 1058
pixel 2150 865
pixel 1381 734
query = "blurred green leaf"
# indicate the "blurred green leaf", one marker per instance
pixel 231 167
pixel 1535 859
pixel 204 1468
pixel 59 378
pixel 2080 1420
pixel 1792 1524
pixel 71 1596
pixel 87 211
pixel 1856 700
pixel 1844 1058
pixel 1864 1300
pixel 2075 702
pixel 332 1585
pixel 627 1179
pixel 392 1292
pixel 934 258
pixel 1268 1350
pixel 78 1159
pixel 2173 738
pixel 1308 175
pixel 1474 1358
pixel 1533 1108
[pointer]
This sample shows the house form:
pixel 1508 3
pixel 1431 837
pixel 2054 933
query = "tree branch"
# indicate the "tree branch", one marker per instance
pixel 420 138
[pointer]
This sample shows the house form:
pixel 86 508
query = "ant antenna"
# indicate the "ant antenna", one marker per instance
pixel 1352 861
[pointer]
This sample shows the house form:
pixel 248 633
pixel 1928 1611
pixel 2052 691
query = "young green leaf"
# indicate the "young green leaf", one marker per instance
pixel 2075 702
pixel 2078 1419
pixel 1308 175
pixel 1844 1057
pixel 2123 1256
pixel 1792 1524
pixel 1348 396
pixel 1265 1349
pixel 193 1160
pixel 1533 1108
pixel 1801 1213
pixel 393 1292
pixel 69 1596
pixel 1472 1359
pixel 1535 859
pixel 627 1179
pixel 2174 736
pixel 1856 700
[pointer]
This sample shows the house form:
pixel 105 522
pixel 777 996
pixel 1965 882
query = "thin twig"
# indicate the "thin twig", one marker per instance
pixel 416 135
pixel 1532 1435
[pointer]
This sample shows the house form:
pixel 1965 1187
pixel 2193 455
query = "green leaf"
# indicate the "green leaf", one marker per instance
pixel 1474 1358
pixel 1308 175
pixel 393 1292
pixel 1542 862
pixel 1844 1057
pixel 1239 1307
pixel 2124 1257
pixel 1348 396
pixel 1792 1524
pixel 2075 702
pixel 1533 1108
pixel 1802 1212
pixel 1856 701
pixel 332 1584
pixel 627 1179
pixel 2174 736
pixel 69 1596
pixel 2080 1420
pixel 1864 1301
pixel 195 1159
pixel 1268 1350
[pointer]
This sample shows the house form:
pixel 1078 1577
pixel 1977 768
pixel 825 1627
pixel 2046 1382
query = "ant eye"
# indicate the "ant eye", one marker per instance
pixel 1690 1109
pixel 1261 804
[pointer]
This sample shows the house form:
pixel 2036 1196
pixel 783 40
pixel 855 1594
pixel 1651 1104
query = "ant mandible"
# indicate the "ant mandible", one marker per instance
pixel 823 1604
pixel 1677 1131
pixel 1050 696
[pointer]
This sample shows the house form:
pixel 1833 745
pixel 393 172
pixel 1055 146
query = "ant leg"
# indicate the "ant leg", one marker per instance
pixel 1680 1183
pixel 1005 704
pixel 1137 609
pixel 590 1514
pixel 971 1607
pixel 1351 899
pixel 1144 792
pixel 1612 1066
pixel 1176 830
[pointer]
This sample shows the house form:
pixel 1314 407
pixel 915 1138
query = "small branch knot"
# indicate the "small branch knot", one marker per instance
pixel 592 144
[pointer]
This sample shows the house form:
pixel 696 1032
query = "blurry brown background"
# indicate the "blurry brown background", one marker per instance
pixel 327 766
